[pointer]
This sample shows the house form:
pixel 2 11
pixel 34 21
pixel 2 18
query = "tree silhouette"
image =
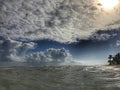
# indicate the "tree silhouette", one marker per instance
pixel 117 58
pixel 110 59
pixel 114 60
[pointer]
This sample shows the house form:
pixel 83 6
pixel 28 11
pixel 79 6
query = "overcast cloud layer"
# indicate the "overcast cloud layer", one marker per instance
pixel 59 20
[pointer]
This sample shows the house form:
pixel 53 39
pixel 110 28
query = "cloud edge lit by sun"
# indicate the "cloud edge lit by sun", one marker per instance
pixel 108 4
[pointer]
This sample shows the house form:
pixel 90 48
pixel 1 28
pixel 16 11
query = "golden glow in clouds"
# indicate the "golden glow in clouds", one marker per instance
pixel 108 3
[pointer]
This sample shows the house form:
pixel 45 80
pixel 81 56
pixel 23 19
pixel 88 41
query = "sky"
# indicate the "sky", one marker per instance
pixel 41 32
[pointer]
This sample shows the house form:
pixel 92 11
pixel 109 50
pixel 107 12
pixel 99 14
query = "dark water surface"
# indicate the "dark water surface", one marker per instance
pixel 60 78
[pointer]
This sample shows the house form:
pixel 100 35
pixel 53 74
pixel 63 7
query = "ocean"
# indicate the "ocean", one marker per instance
pixel 60 78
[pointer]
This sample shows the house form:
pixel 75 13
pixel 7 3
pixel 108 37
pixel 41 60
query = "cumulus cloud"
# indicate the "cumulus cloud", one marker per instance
pixel 102 36
pixel 60 20
pixel 50 56
pixel 118 43
pixel 16 51
pixel 11 50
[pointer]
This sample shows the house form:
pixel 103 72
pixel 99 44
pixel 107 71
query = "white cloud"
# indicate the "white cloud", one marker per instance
pixel 11 50
pixel 102 36
pixel 50 56
pixel 60 20
pixel 118 43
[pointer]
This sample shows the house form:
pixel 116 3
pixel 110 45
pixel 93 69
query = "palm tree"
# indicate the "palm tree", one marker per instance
pixel 110 59
pixel 117 58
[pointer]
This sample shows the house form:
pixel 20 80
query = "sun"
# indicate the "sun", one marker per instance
pixel 108 3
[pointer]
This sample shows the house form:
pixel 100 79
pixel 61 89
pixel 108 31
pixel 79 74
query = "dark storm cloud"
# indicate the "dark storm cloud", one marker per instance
pixel 59 20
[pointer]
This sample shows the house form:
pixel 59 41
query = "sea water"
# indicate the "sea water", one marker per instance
pixel 60 78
